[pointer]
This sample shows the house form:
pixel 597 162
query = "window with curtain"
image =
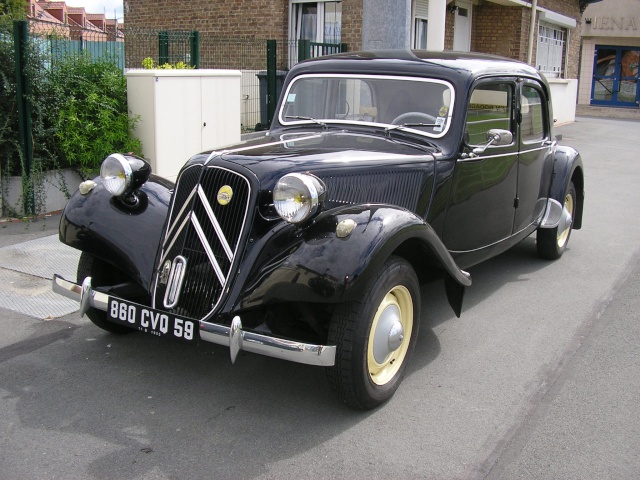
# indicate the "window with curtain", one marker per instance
pixel 316 21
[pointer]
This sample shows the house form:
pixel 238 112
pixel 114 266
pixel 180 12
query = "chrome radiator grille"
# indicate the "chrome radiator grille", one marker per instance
pixel 199 249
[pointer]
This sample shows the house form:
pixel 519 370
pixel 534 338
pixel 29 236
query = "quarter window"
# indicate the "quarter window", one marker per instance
pixel 532 123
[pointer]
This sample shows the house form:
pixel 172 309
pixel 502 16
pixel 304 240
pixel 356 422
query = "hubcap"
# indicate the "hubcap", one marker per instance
pixel 390 335
pixel 563 235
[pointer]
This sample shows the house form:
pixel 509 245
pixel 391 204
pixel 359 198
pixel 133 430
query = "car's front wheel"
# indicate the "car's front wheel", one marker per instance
pixel 552 242
pixel 375 336
pixel 101 274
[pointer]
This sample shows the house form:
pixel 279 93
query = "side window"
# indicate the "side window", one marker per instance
pixel 532 110
pixel 490 107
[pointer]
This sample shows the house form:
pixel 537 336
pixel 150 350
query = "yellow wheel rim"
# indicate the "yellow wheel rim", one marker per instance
pixel 563 236
pixel 390 335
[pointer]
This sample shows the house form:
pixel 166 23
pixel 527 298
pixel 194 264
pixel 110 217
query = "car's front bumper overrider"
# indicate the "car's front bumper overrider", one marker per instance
pixel 232 336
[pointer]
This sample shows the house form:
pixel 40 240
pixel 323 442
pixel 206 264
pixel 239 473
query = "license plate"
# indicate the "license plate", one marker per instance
pixel 154 322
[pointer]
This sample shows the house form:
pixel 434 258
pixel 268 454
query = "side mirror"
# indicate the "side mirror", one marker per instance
pixel 497 137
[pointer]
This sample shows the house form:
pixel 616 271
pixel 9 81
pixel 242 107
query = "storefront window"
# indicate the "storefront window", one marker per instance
pixel 615 76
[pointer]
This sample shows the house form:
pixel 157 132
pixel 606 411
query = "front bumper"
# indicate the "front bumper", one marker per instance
pixel 233 336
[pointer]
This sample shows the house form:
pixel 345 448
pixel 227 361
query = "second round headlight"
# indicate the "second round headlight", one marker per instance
pixel 297 196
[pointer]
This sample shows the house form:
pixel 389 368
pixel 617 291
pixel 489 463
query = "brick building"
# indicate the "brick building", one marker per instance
pixel 492 26
pixel 503 27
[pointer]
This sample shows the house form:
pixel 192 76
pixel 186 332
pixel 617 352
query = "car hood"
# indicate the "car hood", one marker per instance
pixel 320 152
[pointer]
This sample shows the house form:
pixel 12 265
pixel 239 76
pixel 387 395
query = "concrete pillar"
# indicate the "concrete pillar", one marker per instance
pixel 386 24
pixel 435 29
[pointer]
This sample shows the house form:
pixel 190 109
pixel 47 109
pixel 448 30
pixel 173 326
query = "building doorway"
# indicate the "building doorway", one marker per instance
pixel 615 76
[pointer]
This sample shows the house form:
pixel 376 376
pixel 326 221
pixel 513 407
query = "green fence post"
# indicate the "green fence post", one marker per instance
pixel 163 48
pixel 304 49
pixel 272 96
pixel 21 39
pixel 343 47
pixel 194 49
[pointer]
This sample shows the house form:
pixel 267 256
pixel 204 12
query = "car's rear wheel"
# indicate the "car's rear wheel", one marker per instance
pixel 101 274
pixel 375 336
pixel 552 242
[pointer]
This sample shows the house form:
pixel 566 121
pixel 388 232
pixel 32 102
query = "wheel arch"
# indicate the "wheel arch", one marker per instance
pixel 568 167
pixel 323 267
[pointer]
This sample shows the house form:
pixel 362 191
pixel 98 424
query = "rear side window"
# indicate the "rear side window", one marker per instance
pixel 531 107
pixel 490 107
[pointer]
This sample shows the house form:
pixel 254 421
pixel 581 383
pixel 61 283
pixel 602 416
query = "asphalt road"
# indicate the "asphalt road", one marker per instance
pixel 538 378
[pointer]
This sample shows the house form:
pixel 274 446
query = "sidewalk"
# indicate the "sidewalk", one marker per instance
pixel 30 253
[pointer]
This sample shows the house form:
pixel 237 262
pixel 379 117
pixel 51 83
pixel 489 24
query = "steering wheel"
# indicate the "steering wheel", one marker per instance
pixel 419 116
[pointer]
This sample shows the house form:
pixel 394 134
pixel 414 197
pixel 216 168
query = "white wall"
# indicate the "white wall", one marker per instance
pixel 563 99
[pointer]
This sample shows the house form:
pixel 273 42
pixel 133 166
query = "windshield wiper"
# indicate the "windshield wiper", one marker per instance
pixel 298 117
pixel 408 125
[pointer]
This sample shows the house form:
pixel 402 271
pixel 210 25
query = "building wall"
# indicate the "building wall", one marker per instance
pixel 500 30
pixel 504 30
pixel 263 19
pixel 217 21
pixel 610 22
pixel 352 24
pixel 237 18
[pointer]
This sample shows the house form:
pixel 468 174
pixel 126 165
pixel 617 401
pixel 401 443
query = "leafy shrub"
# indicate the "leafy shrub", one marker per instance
pixel 92 119
pixel 149 64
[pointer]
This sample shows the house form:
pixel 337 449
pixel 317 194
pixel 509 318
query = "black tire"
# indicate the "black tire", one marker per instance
pixel 551 243
pixel 101 274
pixel 366 372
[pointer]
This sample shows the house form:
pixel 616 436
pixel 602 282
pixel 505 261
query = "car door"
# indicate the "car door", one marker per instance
pixel 535 165
pixel 481 204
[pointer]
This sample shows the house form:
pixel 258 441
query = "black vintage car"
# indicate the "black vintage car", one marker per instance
pixel 381 171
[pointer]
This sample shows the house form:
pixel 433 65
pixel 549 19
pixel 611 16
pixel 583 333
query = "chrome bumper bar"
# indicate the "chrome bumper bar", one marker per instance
pixel 233 337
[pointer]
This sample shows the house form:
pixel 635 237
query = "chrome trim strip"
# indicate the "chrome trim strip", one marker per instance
pixel 214 222
pixel 478 158
pixel 234 337
pixel 184 206
pixel 208 251
pixel 175 237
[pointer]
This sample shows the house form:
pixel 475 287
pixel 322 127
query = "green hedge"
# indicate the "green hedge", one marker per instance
pixel 79 110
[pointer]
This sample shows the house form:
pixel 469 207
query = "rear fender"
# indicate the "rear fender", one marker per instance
pixel 125 237
pixel 319 266
pixel 568 168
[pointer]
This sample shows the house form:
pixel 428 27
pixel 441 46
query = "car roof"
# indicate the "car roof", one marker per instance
pixel 445 65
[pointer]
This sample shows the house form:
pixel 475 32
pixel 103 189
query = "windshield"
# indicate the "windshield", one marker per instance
pixel 420 105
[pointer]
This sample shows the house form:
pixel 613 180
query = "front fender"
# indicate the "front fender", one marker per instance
pixel 318 266
pixel 125 237
pixel 568 167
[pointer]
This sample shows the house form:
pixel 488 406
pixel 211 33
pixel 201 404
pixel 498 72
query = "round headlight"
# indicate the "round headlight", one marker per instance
pixel 296 196
pixel 116 174
pixel 123 174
